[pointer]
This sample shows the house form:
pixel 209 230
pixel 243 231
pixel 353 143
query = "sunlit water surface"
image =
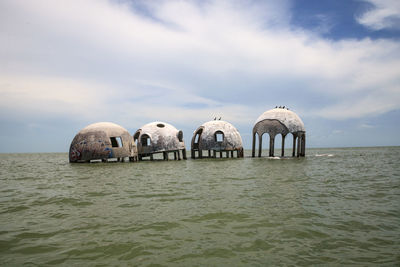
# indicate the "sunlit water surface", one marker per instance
pixel 334 207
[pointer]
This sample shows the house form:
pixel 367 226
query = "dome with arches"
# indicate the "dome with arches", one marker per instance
pixel 216 136
pixel 280 120
pixel 159 137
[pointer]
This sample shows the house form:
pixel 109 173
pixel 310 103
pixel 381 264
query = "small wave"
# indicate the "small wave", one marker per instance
pixel 324 155
pixel 274 157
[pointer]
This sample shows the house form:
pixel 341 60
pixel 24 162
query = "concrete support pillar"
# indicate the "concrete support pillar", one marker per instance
pixel 271 145
pixel 232 154
pixel 209 153
pixel 294 145
pixel 165 155
pixel 253 148
pixel 193 153
pixel 184 153
pixel 298 145
pixel 283 146
pixel 175 157
pixel 303 144
pixel 227 154
pixel 259 145
pixel 220 154
pixel 214 154
pixel 151 157
pixel 200 153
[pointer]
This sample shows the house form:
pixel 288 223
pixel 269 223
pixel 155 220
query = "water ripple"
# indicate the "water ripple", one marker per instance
pixel 335 207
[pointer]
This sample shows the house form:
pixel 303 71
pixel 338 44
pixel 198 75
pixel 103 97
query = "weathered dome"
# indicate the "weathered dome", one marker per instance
pixel 101 140
pixel 208 139
pixel 216 136
pixel 158 137
pixel 288 118
pixel 279 121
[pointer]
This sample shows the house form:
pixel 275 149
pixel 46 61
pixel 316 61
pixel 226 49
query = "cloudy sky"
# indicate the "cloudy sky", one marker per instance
pixel 65 64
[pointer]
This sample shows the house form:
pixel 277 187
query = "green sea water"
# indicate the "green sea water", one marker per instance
pixel 334 207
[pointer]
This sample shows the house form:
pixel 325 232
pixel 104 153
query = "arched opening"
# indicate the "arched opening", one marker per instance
pixel 294 137
pixel 136 138
pixel 219 136
pixel 195 143
pixel 197 136
pixel 278 145
pixel 145 140
pixel 260 137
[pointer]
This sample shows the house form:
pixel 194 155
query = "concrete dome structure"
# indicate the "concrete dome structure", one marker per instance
pixel 216 136
pixel 102 141
pixel 159 137
pixel 280 121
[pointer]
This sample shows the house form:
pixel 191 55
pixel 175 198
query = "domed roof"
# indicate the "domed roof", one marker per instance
pixel 101 140
pixel 232 138
pixel 108 127
pixel 230 132
pixel 287 117
pixel 163 136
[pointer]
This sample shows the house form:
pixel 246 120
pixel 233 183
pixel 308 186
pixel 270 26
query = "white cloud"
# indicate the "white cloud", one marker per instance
pixel 384 14
pixel 101 58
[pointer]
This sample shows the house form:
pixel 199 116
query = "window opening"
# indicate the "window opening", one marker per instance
pixel 116 141
pixel 197 136
pixel 145 140
pixel 160 125
pixel 180 136
pixel 219 136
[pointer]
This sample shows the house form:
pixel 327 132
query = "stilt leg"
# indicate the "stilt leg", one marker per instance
pixel 253 147
pixel 294 146
pixel 298 145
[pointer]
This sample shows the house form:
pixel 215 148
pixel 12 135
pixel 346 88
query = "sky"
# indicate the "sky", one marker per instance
pixel 66 64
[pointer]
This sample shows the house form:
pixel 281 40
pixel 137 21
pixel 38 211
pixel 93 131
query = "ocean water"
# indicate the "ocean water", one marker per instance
pixel 333 207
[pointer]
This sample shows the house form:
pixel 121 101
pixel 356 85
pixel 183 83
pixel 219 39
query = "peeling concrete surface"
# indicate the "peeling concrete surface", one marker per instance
pixel 163 138
pixel 287 117
pixel 205 138
pixel 94 142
